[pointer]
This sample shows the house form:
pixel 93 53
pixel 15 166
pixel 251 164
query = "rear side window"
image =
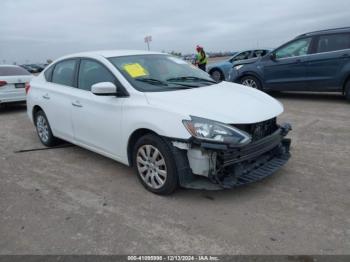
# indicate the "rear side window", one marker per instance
pixel 63 73
pixel 13 71
pixel 328 43
pixel 91 72
pixel 48 73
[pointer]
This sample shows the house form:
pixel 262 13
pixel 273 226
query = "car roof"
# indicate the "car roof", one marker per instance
pixel 326 31
pixel 111 53
pixel 254 49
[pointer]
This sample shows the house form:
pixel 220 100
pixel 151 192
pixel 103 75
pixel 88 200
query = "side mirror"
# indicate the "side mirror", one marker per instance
pixel 104 89
pixel 273 56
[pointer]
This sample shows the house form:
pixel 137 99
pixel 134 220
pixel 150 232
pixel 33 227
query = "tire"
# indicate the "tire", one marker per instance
pixel 217 75
pixel 251 81
pixel 155 164
pixel 44 130
pixel 347 90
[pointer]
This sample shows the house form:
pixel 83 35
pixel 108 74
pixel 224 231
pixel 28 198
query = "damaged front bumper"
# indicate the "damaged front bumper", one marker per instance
pixel 215 166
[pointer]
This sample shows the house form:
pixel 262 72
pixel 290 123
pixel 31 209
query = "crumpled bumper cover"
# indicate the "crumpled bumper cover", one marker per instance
pixel 244 165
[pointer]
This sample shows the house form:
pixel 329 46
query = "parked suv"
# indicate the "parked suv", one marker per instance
pixel 163 116
pixel 317 61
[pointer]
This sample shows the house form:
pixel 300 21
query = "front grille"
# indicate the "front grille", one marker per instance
pixel 259 130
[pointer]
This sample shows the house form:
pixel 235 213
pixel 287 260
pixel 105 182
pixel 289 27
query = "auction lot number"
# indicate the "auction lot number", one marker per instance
pixel 173 258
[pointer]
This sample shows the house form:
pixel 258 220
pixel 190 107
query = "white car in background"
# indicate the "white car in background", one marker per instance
pixel 13 82
pixel 163 116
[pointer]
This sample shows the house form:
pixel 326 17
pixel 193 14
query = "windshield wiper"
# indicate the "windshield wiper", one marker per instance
pixel 177 88
pixel 152 81
pixel 184 85
pixel 190 78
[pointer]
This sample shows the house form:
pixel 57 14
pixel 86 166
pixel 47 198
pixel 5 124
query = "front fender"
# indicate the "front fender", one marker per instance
pixel 161 121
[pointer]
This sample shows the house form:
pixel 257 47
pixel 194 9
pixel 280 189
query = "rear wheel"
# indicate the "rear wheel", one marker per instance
pixel 155 164
pixel 44 130
pixel 217 75
pixel 251 81
pixel 347 90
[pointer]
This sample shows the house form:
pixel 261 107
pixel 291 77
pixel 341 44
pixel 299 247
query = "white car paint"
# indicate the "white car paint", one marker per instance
pixel 104 124
pixel 9 92
pixel 224 102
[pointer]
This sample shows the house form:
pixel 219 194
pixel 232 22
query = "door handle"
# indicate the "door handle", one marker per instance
pixel 46 96
pixel 345 55
pixel 77 104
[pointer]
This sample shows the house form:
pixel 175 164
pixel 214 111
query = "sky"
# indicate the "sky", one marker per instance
pixel 36 30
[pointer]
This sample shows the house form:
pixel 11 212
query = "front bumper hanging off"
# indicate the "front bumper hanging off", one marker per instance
pixel 237 166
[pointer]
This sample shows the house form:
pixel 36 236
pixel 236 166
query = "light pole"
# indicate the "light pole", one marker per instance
pixel 148 39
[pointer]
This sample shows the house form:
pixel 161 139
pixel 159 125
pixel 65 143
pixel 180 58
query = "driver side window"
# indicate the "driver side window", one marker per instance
pixel 242 56
pixel 296 48
pixel 91 72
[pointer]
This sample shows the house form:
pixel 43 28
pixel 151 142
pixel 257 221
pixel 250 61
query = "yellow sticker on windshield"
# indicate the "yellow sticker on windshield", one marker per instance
pixel 135 70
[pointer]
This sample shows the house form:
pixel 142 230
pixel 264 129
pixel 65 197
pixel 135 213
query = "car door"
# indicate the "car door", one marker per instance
pixel 324 67
pixel 96 119
pixel 286 68
pixel 56 98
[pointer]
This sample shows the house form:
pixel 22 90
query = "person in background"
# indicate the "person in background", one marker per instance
pixel 201 58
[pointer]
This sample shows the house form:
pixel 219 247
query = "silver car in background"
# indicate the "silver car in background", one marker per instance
pixel 13 83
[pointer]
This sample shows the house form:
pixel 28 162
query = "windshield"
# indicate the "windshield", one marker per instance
pixel 156 73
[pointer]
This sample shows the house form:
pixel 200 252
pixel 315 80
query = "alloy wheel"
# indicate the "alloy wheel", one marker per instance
pixel 151 166
pixel 216 75
pixel 43 128
pixel 250 83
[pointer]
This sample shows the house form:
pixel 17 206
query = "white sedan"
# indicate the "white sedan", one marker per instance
pixel 163 116
pixel 13 82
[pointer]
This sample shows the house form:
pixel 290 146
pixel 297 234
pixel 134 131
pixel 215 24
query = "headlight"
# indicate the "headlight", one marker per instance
pixel 210 130
pixel 238 67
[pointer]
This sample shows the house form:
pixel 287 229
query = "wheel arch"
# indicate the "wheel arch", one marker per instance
pixel 249 73
pixel 133 138
pixel 35 110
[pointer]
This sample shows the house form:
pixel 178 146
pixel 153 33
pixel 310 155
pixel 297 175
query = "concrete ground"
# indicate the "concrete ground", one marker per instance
pixel 72 201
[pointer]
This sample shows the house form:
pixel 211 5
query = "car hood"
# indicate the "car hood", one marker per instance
pixel 224 102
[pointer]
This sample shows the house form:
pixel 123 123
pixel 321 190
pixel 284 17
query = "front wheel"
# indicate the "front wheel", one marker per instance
pixel 155 165
pixel 251 81
pixel 217 75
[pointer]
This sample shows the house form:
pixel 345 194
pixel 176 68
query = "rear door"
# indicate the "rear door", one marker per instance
pixel 56 97
pixel 324 66
pixel 288 70
pixel 96 119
